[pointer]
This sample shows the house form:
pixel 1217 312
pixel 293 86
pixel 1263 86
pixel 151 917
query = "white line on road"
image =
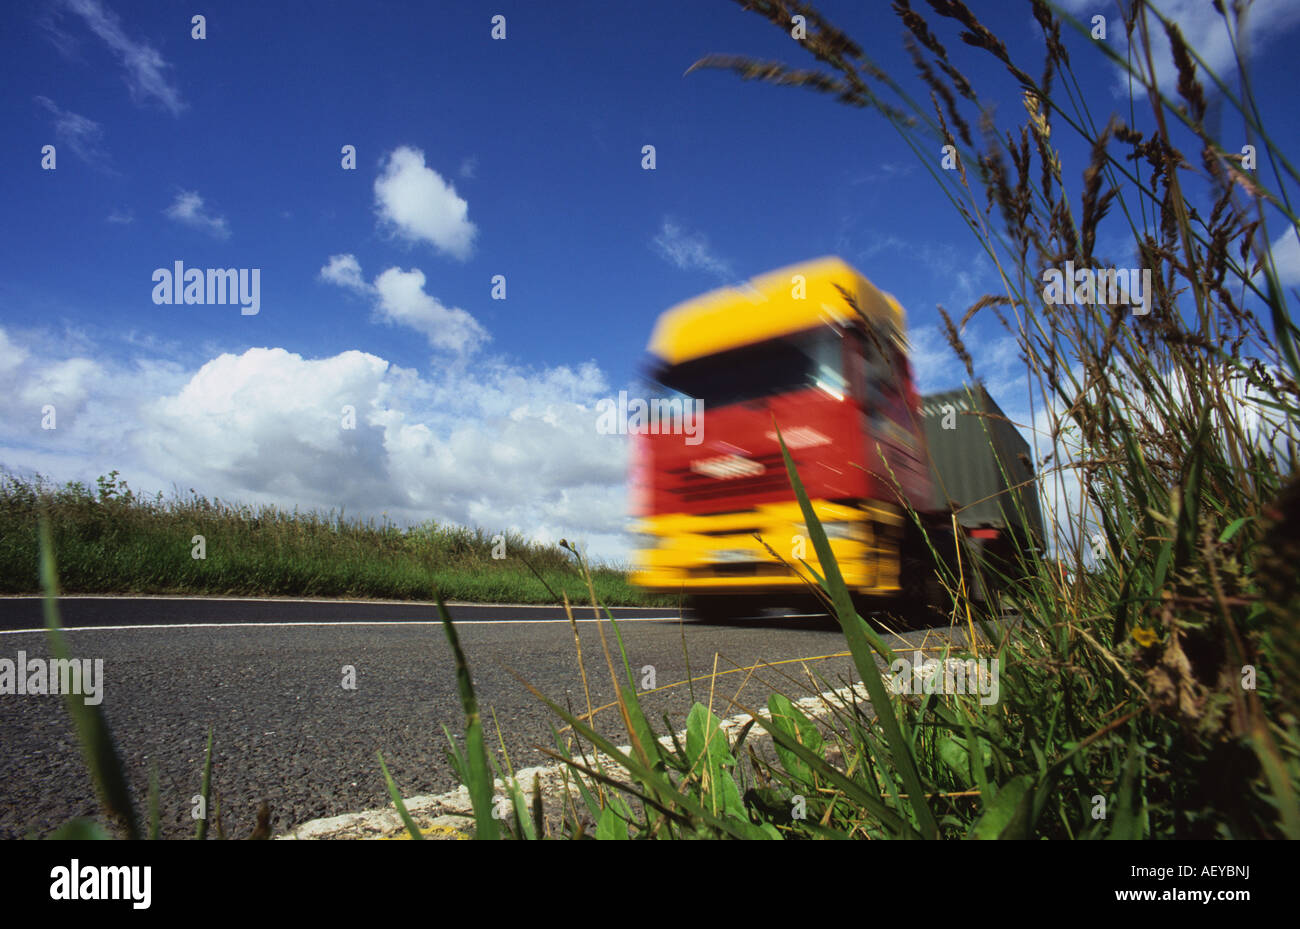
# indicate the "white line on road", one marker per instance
pixel 463 624
pixel 425 603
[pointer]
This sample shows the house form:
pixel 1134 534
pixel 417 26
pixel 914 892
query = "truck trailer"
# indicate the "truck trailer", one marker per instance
pixel 816 350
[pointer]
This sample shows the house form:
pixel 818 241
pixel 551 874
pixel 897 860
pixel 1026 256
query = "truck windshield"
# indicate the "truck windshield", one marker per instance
pixel 810 359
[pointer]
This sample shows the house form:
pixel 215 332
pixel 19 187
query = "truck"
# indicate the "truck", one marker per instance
pixel 896 479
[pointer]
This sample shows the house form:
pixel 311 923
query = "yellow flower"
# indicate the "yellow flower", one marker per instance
pixel 1144 637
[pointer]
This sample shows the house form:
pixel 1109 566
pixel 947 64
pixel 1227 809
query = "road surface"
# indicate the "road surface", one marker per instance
pixel 268 677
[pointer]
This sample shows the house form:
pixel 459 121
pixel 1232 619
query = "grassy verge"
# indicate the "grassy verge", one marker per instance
pixel 111 540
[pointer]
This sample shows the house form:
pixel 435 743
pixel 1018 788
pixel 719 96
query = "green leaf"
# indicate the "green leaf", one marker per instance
pixel 644 740
pixel 396 796
pixel 80 830
pixel 1130 806
pixel 790 720
pixel 980 762
pixel 709 754
pixel 93 735
pixel 480 775
pixel 704 737
pixel 1233 527
pixel 611 825
pixel 1007 817
pixel 523 816
pixel 953 753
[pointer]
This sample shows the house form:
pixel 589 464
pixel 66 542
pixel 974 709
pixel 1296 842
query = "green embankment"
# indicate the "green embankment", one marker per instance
pixel 112 540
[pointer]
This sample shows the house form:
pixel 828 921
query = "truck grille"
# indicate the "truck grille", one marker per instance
pixel 691 487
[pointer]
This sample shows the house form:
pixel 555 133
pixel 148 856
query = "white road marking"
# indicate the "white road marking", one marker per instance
pixel 426 603
pixel 347 622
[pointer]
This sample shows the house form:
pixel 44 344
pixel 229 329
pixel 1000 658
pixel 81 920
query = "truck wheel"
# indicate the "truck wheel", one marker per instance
pixel 718 608
pixel 922 593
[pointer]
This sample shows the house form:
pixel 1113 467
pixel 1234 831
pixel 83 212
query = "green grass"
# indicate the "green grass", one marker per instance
pixel 111 540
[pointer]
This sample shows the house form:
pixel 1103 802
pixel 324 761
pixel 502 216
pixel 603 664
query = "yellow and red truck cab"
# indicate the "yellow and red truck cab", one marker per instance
pixel 818 351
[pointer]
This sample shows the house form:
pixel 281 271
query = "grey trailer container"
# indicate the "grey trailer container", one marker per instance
pixel 980 464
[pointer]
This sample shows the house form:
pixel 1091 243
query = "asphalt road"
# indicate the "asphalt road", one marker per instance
pixel 267 677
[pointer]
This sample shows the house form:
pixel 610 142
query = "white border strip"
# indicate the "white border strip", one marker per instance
pixel 432 604
pixel 451 814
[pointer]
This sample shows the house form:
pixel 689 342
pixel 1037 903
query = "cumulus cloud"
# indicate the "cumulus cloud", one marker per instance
pixel 495 445
pixel 400 300
pixel 188 210
pixel 79 133
pixel 688 251
pixel 414 201
pixel 145 69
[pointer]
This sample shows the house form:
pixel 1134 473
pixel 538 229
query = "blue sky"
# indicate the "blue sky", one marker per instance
pixel 474 157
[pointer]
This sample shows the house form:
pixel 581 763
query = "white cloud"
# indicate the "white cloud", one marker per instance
pixel 1202 29
pixel 79 133
pixel 345 271
pixel 121 217
pixel 12 356
pixel 96 400
pixel 64 383
pixel 400 300
pixel 688 251
pixel 188 209
pixel 146 70
pixel 420 206
pixel 1286 257
pixel 494 445
pixel 995 358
